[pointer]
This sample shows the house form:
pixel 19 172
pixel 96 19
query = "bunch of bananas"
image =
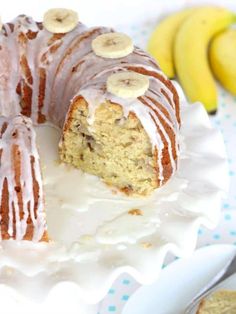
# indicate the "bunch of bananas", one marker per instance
pixel 193 43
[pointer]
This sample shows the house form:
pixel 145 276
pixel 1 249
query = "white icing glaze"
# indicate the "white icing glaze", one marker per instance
pixel 18 134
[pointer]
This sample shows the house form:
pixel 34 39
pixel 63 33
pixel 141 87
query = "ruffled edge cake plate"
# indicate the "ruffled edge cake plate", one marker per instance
pixel 106 233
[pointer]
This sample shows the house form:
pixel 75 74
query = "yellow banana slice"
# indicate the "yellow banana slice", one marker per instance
pixel 0 24
pixel 60 20
pixel 127 84
pixel 112 45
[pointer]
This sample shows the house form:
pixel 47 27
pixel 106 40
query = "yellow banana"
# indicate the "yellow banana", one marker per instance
pixel 223 59
pixel 160 44
pixel 191 53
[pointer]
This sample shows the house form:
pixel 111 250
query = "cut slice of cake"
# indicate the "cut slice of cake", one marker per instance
pixel 117 146
pixel 220 302
pixel 114 148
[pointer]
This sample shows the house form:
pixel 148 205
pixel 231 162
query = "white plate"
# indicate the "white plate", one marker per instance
pixel 96 240
pixel 179 282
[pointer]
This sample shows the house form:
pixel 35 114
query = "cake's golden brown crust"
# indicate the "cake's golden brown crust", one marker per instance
pixel 167 169
pixel 4 207
pixel 16 162
pixel 76 45
pixel 41 96
pixel 26 82
pixel 167 82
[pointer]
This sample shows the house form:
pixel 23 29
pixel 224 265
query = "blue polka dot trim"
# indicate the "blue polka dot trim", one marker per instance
pixel 200 232
pixel 227 217
pixel 125 297
pixel 111 308
pixel 126 282
pixel 216 236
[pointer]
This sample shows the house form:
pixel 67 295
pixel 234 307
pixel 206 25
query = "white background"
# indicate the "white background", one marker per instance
pixel 100 12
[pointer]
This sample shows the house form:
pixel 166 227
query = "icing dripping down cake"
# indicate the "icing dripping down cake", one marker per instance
pixel 22 203
pixel 123 130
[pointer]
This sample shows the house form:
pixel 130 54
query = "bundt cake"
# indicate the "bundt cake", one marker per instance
pixel 118 113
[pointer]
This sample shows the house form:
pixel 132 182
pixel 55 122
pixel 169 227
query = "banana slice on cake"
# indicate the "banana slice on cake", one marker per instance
pixel 60 20
pixel 127 84
pixel 0 24
pixel 112 45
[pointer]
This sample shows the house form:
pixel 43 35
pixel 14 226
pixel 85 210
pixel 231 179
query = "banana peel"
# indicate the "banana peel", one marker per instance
pixel 222 55
pixel 160 44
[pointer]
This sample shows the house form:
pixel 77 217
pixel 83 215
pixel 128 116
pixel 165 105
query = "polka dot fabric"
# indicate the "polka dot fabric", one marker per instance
pixel 225 121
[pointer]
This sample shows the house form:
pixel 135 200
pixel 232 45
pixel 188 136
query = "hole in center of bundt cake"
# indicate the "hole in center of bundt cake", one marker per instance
pixel 113 147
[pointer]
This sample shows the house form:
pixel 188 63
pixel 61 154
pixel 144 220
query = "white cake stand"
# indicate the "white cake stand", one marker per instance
pixel 97 240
